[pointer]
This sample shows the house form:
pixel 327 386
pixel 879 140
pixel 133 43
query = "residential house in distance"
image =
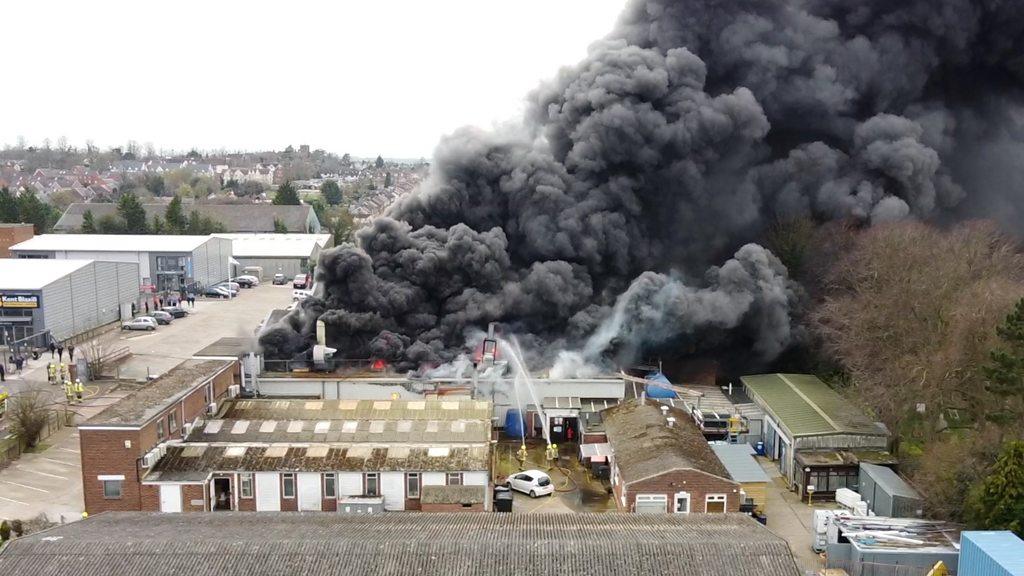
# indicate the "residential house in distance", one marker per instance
pixel 249 218
pixel 355 456
pixel 119 444
pixel 277 543
pixel 818 438
pixel 661 462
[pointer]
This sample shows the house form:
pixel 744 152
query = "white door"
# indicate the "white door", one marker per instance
pixel 170 498
pixel 268 492
pixel 309 491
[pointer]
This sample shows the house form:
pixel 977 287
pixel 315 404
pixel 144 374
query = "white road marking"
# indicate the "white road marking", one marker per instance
pixel 15 501
pixel 24 486
pixel 41 473
pixel 73 465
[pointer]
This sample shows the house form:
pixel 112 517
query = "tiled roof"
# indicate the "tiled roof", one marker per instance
pixel 348 431
pixel 645 446
pixel 234 217
pixel 401 544
pixel 443 410
pixel 138 407
pixel 806 406
pixel 194 461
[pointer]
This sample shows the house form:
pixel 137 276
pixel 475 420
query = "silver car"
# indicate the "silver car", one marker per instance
pixel 140 323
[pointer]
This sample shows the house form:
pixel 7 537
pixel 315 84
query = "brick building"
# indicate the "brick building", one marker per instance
pixel 11 234
pixel 661 462
pixel 328 455
pixel 121 442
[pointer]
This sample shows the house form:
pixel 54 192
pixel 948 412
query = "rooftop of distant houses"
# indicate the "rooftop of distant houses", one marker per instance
pixel 234 217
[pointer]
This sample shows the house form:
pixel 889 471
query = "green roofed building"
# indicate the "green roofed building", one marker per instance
pixel 818 438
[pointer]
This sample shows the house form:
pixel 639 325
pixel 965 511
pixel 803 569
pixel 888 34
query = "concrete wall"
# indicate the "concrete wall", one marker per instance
pixel 290 267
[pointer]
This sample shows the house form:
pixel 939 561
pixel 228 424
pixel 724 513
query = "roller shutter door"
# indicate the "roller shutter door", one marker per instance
pixel 268 492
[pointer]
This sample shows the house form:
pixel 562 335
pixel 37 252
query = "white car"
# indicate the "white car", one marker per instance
pixel 245 278
pixel 532 482
pixel 140 323
pixel 300 295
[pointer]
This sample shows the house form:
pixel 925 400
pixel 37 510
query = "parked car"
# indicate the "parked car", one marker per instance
pixel 175 311
pixel 300 295
pixel 162 317
pixel 247 281
pixel 532 482
pixel 231 285
pixel 218 292
pixel 299 281
pixel 280 279
pixel 140 323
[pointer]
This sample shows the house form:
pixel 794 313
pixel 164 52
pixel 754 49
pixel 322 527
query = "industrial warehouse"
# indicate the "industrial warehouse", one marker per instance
pixel 165 263
pixel 268 254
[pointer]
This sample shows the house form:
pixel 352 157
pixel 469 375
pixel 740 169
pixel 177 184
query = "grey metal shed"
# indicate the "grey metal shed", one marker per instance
pixel 887 494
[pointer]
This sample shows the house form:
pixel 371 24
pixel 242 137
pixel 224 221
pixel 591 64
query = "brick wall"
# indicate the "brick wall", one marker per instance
pixel 104 453
pixel 190 492
pixel 697 484
pixel 11 235
pixel 150 498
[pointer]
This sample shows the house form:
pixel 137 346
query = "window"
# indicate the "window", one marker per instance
pixel 455 478
pixel 112 489
pixel 289 485
pixel 172 422
pixel 682 503
pixel 412 485
pixel 246 481
pixel 160 433
pixel 330 486
pixel 714 503
pixel 372 484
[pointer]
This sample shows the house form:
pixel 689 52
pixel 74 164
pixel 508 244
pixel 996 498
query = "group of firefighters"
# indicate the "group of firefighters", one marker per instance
pixel 57 373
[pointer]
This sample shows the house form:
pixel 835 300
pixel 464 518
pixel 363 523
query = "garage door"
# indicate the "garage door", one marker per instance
pixel 651 504
pixel 170 498
pixel 268 492
pixel 309 491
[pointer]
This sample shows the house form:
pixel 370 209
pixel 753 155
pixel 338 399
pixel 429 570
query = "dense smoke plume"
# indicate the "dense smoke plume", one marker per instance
pixel 595 226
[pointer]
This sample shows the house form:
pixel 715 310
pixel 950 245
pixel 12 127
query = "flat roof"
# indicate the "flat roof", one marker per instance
pixel 806 406
pixel 275 245
pixel 111 243
pixel 401 544
pixel 880 533
pixel 35 273
pixel 233 346
pixel 889 481
pixel 139 407
pixel 739 460
pixel 1002 546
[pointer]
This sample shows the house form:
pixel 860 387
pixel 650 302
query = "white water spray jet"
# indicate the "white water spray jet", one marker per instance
pixel 510 346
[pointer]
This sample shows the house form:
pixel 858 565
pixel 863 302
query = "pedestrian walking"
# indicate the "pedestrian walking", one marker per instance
pixel 60 352
pixel 53 348
pixel 18 363
pixel 3 372
pixel 71 352
pixel 133 309
pixel 79 390
pixel 146 304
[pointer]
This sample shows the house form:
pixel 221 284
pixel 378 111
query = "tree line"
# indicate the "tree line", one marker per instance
pixel 131 218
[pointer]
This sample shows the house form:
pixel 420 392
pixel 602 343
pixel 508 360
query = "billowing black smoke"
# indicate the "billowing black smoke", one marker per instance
pixel 678 139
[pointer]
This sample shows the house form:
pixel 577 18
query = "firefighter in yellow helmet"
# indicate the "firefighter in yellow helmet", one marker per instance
pixel 51 372
pixel 79 389
pixel 69 391
pixel 64 372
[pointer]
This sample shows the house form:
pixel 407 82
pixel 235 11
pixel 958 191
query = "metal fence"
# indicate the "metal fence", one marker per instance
pixel 12 447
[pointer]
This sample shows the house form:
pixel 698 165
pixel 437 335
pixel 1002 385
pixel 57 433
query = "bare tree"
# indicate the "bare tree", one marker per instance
pixel 28 414
pixel 95 353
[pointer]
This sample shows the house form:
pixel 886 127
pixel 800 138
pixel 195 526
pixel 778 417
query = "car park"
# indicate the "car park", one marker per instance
pixel 230 285
pixel 140 323
pixel 299 281
pixel 247 281
pixel 218 292
pixel 175 311
pixel 280 279
pixel 532 482
pixel 161 316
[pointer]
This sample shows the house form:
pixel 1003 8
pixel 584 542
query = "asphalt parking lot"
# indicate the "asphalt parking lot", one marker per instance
pixel 576 490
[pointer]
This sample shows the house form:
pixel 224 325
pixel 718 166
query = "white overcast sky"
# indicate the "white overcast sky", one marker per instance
pixel 357 76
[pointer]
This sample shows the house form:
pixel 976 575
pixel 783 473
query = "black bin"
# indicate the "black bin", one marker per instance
pixel 502 499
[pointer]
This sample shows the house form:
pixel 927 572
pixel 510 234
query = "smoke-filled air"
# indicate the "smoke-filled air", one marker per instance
pixel 623 214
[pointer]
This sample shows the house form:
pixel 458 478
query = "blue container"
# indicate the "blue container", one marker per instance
pixel 991 553
pixel 654 391
pixel 513 424
pixel 759 448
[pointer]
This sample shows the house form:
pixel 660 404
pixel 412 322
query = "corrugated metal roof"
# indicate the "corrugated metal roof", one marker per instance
pixel 738 459
pixel 35 273
pixel 889 481
pixel 1001 546
pixel 348 431
pixel 440 410
pixel 806 406
pixel 401 544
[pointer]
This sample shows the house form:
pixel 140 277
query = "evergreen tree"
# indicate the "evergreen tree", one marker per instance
pixel 157 227
pixel 110 224
pixel 1004 375
pixel 331 192
pixel 133 214
pixel 280 227
pixel 997 503
pixel 88 223
pixel 8 206
pixel 34 211
pixel 287 195
pixel 175 217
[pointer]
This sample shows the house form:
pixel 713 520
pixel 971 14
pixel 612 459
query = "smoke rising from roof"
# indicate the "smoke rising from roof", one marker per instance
pixel 598 222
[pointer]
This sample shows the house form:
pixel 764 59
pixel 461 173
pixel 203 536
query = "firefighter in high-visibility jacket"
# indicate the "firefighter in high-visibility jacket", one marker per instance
pixel 64 373
pixel 79 390
pixel 51 373
pixel 69 391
